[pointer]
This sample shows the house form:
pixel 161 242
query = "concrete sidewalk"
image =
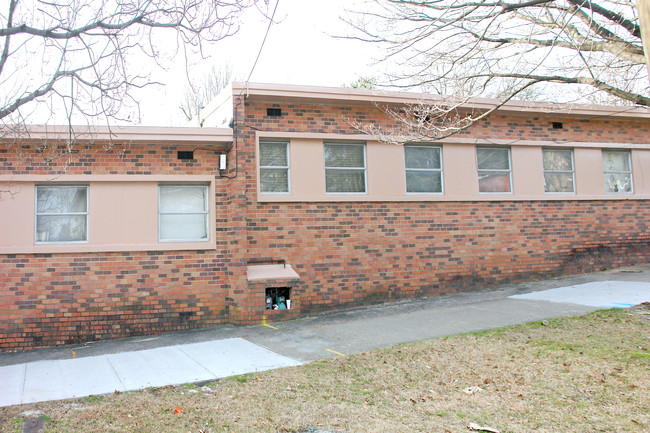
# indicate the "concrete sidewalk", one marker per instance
pixel 208 354
pixel 128 371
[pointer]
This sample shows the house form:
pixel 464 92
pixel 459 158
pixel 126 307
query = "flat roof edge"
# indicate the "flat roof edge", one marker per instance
pixel 130 134
pixel 337 94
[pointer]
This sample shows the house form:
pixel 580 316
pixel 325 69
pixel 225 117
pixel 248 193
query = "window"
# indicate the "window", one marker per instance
pixel 62 213
pixel 558 170
pixel 274 167
pixel 617 170
pixel 493 169
pixel 183 212
pixel 345 168
pixel 423 169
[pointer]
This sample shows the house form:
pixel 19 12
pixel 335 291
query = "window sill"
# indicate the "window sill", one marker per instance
pixel 105 248
pixel 415 197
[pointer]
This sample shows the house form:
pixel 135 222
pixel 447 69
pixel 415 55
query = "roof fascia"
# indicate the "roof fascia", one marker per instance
pixel 215 137
pixel 334 95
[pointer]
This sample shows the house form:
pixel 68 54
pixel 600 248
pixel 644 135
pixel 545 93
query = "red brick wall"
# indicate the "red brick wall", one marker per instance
pixel 54 299
pixel 356 253
pixel 64 298
pixel 118 159
pixel 352 254
pixel 332 119
pixel 345 253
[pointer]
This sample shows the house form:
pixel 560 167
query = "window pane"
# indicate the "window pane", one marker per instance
pixel 183 227
pixel 492 159
pixel 491 181
pixel 345 181
pixel 423 181
pixel 273 154
pixel 618 182
pixel 422 157
pixel 183 198
pixel 61 199
pixel 274 180
pixel 65 228
pixel 616 161
pixel 558 182
pixel 341 155
pixel 557 160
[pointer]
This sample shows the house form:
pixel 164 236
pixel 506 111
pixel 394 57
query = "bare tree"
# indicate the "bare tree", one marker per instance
pixel 198 94
pixel 558 50
pixel 644 17
pixel 90 55
pixel 367 83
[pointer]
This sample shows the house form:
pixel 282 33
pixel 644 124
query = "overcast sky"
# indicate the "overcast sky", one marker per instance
pixel 299 49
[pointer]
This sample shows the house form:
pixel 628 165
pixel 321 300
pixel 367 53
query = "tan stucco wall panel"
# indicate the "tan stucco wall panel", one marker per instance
pixel 17 213
pixel 589 166
pixel 641 171
pixel 386 173
pixel 385 169
pixel 527 170
pixel 123 213
pixel 307 172
pixel 459 170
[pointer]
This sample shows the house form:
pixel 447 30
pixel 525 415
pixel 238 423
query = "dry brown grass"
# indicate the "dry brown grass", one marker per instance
pixel 584 374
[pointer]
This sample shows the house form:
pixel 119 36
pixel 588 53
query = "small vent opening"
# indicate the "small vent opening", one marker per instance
pixel 274 112
pixel 185 155
pixel 558 125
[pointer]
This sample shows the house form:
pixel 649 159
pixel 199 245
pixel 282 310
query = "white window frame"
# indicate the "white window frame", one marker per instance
pixel 629 163
pixel 432 170
pixel 364 168
pixel 37 213
pixel 206 212
pixel 573 169
pixel 509 170
pixel 286 167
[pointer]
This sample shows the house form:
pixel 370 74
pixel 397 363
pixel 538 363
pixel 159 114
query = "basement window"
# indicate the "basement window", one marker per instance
pixel 277 298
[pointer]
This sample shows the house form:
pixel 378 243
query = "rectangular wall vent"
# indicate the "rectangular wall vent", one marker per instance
pixel 558 125
pixel 274 112
pixel 185 155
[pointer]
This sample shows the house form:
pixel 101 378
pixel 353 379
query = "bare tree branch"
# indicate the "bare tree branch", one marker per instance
pixel 100 46
pixel 633 27
pixel 558 50
pixel 204 90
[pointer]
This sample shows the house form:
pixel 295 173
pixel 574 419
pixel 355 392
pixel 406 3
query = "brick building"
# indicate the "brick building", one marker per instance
pixel 147 230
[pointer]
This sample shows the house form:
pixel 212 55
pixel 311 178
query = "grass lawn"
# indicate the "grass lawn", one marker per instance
pixel 582 374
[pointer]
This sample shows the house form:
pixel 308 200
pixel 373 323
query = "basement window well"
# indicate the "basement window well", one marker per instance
pixel 273 286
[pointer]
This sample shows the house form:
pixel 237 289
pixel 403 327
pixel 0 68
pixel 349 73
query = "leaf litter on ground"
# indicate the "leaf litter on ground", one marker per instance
pixel 580 374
